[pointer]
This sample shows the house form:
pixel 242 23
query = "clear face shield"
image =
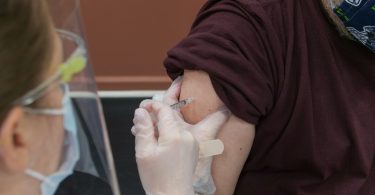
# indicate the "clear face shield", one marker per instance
pixel 94 171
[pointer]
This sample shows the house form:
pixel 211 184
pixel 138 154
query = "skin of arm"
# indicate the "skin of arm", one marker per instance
pixel 237 135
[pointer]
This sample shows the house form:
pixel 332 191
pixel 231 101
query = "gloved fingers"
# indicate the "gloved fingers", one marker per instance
pixel 145 140
pixel 166 119
pixel 146 104
pixel 142 122
pixel 210 126
pixel 177 117
pixel 133 130
pixel 172 95
pixel 158 97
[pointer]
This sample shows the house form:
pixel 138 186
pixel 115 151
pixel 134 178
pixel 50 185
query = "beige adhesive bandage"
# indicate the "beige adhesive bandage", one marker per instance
pixel 210 148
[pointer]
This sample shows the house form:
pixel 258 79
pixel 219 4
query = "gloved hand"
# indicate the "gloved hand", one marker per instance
pixel 166 163
pixel 202 180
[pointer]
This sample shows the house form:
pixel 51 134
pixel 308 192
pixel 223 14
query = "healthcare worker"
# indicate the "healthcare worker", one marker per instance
pixel 53 138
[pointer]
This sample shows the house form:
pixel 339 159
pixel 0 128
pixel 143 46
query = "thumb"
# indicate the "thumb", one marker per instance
pixel 210 126
pixel 172 95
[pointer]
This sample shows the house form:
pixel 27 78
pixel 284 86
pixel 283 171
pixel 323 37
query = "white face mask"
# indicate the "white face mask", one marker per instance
pixel 49 184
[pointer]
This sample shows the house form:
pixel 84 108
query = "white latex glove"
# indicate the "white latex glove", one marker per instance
pixel 166 163
pixel 202 180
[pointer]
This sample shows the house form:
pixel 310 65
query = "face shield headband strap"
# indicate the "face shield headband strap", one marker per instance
pixel 52 111
pixel 75 64
pixel 40 177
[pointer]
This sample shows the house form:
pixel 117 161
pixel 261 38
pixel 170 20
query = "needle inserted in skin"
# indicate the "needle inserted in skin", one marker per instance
pixel 181 104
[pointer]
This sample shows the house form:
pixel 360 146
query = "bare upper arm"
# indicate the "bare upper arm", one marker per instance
pixel 236 134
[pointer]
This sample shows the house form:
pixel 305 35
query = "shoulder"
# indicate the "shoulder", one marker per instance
pixel 247 5
pixel 240 15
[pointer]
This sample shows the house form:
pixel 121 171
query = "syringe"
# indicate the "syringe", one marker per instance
pixel 182 103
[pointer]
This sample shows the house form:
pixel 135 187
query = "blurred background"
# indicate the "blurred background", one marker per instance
pixel 128 41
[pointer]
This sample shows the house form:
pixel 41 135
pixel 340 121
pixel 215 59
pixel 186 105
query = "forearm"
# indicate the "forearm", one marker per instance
pixel 238 137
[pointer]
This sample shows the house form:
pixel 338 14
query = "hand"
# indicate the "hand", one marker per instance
pixel 167 162
pixel 202 180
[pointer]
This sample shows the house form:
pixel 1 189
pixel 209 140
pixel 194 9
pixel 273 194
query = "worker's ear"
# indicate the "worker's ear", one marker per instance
pixel 14 153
